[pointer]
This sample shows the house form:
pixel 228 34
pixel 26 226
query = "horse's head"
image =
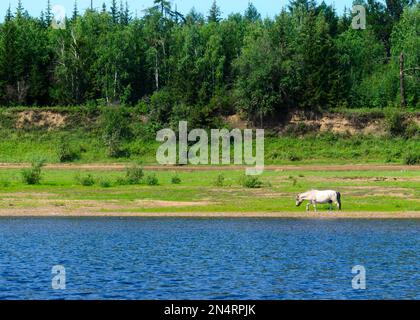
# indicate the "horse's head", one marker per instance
pixel 298 200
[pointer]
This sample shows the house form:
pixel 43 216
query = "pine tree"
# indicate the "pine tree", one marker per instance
pixel 127 13
pixel 315 61
pixel 9 15
pixel 42 19
pixel 306 5
pixel 124 13
pixel 114 11
pixel 251 13
pixel 20 10
pixel 48 14
pixel 121 13
pixel 214 13
pixel 396 7
pixel 164 6
pixel 75 11
pixel 194 17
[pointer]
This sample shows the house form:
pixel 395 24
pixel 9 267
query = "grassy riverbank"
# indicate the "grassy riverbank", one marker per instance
pixel 325 148
pixel 83 178
pixel 367 193
pixel 125 134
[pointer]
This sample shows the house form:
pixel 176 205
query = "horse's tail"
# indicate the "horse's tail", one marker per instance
pixel 339 200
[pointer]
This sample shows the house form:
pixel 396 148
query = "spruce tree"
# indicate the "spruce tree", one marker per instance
pixel 75 11
pixel 114 11
pixel 251 13
pixel 20 11
pixel 214 13
pixel 48 14
pixel 9 14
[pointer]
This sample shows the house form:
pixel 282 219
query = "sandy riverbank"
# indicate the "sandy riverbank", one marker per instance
pixel 39 212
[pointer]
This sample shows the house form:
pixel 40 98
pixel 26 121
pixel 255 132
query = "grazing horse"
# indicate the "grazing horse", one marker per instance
pixel 315 196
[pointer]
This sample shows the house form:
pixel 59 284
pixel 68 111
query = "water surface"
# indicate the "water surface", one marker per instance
pixel 139 258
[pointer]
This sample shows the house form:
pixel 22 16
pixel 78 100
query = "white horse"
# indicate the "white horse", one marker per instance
pixel 315 196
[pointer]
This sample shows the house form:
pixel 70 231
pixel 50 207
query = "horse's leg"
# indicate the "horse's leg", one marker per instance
pixel 338 200
pixel 307 206
pixel 314 204
pixel 330 206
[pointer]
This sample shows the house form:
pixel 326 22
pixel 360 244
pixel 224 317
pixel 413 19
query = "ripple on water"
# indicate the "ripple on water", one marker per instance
pixel 139 258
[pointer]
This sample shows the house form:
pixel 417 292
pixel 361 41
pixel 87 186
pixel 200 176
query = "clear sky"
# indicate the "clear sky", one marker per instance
pixel 265 7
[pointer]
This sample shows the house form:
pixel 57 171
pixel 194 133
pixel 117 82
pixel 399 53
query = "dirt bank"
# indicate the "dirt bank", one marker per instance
pixel 342 124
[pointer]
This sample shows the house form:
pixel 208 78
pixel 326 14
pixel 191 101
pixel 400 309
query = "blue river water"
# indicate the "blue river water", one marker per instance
pixel 139 258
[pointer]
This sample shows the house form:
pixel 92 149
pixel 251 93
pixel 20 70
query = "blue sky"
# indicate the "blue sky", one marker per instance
pixel 265 7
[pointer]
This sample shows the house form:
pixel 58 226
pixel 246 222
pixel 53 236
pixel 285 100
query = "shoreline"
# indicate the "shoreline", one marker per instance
pixel 286 167
pixel 25 213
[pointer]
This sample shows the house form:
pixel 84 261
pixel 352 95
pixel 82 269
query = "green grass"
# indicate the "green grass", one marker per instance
pixel 83 133
pixel 387 191
pixel 22 146
pixel 334 149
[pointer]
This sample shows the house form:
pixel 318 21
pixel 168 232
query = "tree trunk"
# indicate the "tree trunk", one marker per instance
pixel 402 89
pixel 115 85
pixel 156 71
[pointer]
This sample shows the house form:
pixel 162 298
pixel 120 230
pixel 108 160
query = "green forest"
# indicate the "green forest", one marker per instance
pixel 201 66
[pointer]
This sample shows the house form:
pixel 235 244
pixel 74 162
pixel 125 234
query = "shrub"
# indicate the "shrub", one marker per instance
pixel 294 157
pixel 329 137
pixel 134 174
pixel 33 175
pixel 252 182
pixel 220 180
pixel 121 181
pixel 142 107
pixel 115 121
pixel 86 181
pixel 113 145
pixel 399 124
pixel 104 183
pixel 300 129
pixel 5 183
pixel 412 130
pixel 161 104
pixel 412 158
pixel 274 155
pixel 115 126
pixel 66 153
pixel 114 149
pixel 396 124
pixel 176 179
pixel 389 158
pixel 152 180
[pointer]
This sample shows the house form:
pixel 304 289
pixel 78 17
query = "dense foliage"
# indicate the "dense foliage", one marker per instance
pixel 197 67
